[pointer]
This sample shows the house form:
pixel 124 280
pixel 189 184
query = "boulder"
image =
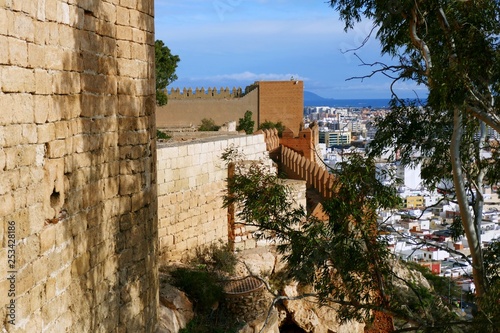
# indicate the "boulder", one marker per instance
pixel 257 262
pixel 175 310
pixel 272 325
pixel 315 319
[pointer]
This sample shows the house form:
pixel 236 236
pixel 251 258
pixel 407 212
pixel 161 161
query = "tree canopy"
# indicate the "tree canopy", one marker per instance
pixel 452 47
pixel 166 64
pixel 342 262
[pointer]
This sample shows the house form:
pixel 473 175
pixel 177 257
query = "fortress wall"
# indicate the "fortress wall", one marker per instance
pixel 191 182
pixel 210 93
pixel 245 235
pixel 190 112
pixel 78 228
pixel 282 101
pixel 275 101
pixel 298 167
pixel 305 143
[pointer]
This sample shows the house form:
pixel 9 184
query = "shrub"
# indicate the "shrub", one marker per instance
pixel 246 123
pixel 201 287
pixel 162 135
pixel 220 322
pixel 208 124
pixel 216 258
pixel 270 125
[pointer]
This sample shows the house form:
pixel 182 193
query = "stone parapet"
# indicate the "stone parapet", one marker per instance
pixel 191 185
pixel 297 166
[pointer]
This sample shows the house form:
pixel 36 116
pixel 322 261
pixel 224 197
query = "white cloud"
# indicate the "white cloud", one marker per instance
pixel 250 77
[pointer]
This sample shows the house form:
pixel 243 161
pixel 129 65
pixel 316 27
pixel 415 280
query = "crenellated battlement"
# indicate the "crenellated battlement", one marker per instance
pixel 209 93
pixel 274 101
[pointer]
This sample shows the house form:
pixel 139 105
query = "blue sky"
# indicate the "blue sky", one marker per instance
pixel 236 42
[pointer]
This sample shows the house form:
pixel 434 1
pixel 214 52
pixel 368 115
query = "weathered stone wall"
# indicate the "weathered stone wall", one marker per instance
pixel 190 112
pixel 191 183
pixel 282 101
pixel 77 166
pixel 275 101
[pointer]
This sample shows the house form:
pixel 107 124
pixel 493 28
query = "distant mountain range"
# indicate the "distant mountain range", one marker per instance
pixel 311 99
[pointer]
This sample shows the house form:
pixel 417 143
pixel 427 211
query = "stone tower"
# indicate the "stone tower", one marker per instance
pixel 77 166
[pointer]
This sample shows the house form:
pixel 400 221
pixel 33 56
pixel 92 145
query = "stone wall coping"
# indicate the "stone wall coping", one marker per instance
pixel 221 137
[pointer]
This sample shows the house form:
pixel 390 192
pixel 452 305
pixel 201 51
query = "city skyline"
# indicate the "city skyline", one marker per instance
pixel 236 42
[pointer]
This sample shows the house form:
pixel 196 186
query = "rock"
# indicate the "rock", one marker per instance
pixel 175 310
pixel 314 319
pixel 258 262
pixel 307 315
pixel 409 275
pixel 168 321
pixel 272 325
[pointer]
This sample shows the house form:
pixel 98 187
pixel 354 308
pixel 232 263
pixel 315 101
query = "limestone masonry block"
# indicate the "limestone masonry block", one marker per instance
pixel 109 12
pixel 41 33
pixel 6 204
pixel 123 49
pixel 124 33
pixel 54 58
pixel 22 27
pixel 65 37
pixel 13 135
pixel 17 79
pixel 43 84
pixel 18 52
pixel 63 12
pixel 122 16
pixel 4 24
pixel 138 52
pixel 65 82
pixel 129 184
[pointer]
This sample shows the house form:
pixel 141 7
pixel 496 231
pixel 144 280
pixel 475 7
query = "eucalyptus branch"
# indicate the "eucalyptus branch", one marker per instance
pixel 446 27
pixel 363 43
pixel 422 242
pixel 490 118
pixel 266 284
pixel 418 42
pixel 384 69
pixel 393 93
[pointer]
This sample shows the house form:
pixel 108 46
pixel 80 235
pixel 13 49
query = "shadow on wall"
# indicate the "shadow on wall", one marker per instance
pixel 100 166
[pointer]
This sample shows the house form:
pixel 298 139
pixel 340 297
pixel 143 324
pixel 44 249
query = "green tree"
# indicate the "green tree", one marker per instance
pixel 451 47
pixel 165 66
pixel 246 123
pixel 342 258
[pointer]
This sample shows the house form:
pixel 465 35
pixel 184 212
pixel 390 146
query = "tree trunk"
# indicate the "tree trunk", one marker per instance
pixel 471 231
pixel 479 199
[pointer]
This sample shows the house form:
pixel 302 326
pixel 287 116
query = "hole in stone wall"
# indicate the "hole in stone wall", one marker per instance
pixel 55 199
